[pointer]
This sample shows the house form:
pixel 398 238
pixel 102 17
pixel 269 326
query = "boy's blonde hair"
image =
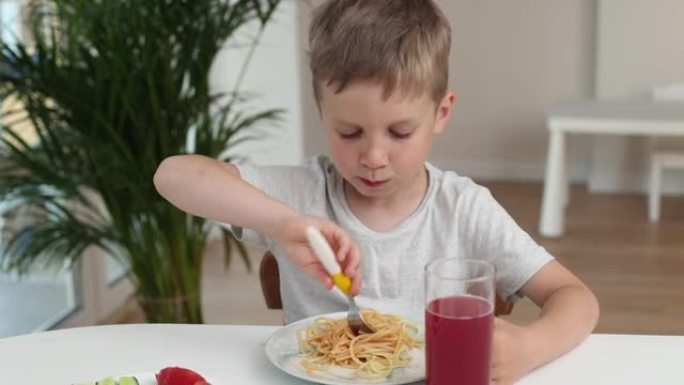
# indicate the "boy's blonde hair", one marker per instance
pixel 399 43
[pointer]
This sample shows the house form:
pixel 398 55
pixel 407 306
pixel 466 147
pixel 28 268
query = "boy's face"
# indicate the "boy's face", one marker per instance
pixel 380 144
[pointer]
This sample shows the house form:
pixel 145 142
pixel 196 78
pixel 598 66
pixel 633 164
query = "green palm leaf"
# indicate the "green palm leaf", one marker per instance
pixel 110 89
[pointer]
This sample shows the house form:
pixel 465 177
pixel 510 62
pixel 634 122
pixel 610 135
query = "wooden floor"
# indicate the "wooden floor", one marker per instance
pixel 636 268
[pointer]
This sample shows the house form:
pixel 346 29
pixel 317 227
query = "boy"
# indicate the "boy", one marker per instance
pixel 380 72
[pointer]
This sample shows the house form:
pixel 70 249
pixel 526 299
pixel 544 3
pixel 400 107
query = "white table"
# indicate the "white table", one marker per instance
pixel 606 117
pixel 235 355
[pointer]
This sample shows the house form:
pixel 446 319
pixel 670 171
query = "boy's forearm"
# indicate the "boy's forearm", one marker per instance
pixel 566 319
pixel 207 188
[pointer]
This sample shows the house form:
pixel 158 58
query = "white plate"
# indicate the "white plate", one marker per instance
pixel 143 378
pixel 282 350
pixel 146 378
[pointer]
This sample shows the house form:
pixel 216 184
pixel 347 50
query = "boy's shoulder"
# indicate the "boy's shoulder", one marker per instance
pixel 449 182
pixel 291 179
pixel 317 163
pixel 311 167
pixel 453 192
pixel 302 185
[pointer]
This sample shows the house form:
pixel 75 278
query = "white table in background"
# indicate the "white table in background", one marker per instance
pixel 235 355
pixel 598 117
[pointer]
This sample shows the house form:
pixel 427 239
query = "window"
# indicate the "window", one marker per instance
pixel 47 298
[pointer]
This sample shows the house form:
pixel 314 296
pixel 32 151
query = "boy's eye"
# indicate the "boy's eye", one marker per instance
pixel 350 135
pixel 400 135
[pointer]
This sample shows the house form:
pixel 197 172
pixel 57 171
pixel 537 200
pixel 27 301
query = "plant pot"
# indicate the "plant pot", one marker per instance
pixel 177 309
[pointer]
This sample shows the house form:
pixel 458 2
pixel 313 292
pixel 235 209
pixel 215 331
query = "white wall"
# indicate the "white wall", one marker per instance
pixel 313 138
pixel 509 62
pixel 639 47
pixel 273 78
pixel 512 60
pixel 640 44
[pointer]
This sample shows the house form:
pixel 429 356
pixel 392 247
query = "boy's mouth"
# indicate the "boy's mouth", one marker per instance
pixel 373 184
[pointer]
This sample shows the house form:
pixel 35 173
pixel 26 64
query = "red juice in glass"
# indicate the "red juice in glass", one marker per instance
pixel 458 340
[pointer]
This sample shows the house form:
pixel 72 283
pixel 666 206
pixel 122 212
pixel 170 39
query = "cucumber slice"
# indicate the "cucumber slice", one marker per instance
pixel 125 380
pixel 107 381
pixel 128 381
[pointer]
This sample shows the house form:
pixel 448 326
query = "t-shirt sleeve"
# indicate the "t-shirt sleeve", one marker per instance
pixel 490 233
pixel 299 186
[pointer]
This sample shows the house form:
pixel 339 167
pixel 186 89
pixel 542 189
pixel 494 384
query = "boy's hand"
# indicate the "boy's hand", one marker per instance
pixel 512 354
pixel 291 236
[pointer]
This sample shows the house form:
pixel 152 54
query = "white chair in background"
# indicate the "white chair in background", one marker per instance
pixel 661 160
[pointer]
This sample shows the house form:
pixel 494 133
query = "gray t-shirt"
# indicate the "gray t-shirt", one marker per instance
pixel 455 218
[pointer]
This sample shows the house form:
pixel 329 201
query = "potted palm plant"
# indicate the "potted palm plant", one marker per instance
pixel 109 89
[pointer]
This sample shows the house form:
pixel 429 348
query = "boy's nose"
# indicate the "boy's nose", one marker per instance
pixel 374 157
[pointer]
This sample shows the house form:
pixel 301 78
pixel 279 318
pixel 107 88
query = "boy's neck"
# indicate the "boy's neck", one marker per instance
pixel 386 213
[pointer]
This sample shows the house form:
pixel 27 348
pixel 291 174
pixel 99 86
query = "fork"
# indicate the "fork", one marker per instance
pixel 324 252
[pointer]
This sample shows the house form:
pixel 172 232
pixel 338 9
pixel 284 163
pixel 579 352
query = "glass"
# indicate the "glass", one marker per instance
pixel 459 318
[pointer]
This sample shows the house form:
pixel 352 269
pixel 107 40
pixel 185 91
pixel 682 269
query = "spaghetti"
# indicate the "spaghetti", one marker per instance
pixel 328 343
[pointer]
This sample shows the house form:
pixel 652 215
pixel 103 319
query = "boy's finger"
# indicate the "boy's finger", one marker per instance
pixel 342 251
pixel 339 240
pixel 347 255
pixel 317 271
pixel 345 248
pixel 356 284
pixel 352 261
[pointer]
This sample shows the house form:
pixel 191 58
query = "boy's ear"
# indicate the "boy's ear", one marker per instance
pixel 444 112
